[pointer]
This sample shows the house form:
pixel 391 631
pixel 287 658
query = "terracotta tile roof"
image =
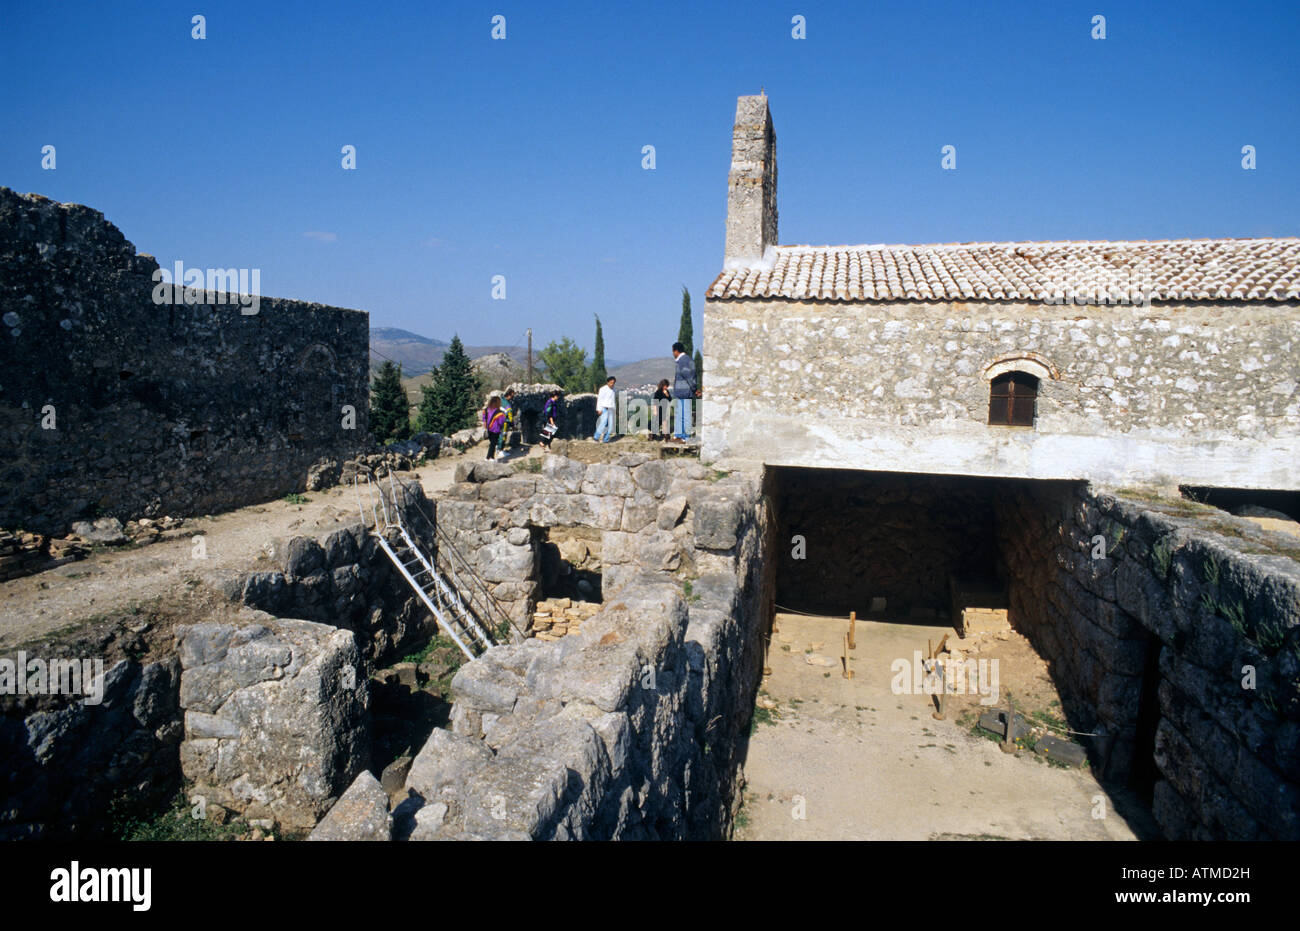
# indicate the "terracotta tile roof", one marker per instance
pixel 1082 272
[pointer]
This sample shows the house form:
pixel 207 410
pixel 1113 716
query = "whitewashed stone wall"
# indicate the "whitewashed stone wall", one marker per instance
pixel 1203 393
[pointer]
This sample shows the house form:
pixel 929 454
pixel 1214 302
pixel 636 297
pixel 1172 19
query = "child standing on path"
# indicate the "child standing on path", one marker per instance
pixel 494 419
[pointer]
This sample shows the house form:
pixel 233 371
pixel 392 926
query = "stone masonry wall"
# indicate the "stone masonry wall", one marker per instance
pixel 1202 393
pixel 174 409
pixel 635 726
pixel 1215 598
pixel 67 761
pixel 908 535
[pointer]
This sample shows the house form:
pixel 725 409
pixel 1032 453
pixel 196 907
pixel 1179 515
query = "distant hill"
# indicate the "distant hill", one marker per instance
pixel 419 354
pixel 645 372
pixel 416 353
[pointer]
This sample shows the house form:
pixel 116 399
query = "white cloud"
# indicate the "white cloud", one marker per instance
pixel 320 236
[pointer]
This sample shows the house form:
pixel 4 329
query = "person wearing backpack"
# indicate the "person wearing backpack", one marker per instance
pixel 494 420
pixel 511 424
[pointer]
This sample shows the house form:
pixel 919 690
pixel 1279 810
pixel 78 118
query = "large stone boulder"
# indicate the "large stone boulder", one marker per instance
pixel 361 814
pixel 275 715
pixel 106 530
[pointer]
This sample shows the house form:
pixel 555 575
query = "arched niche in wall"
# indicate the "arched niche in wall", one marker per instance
pixel 317 382
pixel 317 358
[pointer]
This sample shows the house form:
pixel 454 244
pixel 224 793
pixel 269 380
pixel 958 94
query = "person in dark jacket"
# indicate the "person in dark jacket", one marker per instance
pixel 660 411
pixel 550 418
pixel 684 393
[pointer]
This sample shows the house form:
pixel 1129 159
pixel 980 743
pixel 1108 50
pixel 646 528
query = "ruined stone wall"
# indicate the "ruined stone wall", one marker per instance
pixel 66 761
pixel 341 577
pixel 577 411
pixel 1215 598
pixel 1202 393
pixel 636 726
pixel 176 409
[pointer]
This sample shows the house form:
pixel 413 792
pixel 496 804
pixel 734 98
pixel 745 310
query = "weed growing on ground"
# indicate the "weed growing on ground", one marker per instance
pixel 295 498
pixel 177 822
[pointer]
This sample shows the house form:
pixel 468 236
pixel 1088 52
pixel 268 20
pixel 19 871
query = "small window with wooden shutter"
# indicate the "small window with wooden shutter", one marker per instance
pixel 1012 399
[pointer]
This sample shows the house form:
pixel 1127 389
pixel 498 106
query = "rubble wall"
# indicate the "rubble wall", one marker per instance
pixel 112 404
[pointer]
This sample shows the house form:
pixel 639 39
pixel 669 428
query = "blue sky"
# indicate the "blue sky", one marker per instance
pixel 523 157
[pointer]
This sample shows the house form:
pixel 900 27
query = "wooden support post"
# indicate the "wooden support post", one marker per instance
pixel 1009 741
pixel 853 623
pixel 848 667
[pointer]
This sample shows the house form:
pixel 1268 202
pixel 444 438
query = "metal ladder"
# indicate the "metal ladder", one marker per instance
pixel 444 602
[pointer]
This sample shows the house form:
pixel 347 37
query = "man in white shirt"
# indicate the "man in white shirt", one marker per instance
pixel 605 411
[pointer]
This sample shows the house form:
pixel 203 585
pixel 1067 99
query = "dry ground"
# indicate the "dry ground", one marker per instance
pixel 117 579
pixel 114 580
pixel 862 763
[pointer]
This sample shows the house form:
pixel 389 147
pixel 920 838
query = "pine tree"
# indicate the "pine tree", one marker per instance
pixel 685 331
pixel 390 410
pixel 451 399
pixel 565 363
pixel 598 374
pixel 699 371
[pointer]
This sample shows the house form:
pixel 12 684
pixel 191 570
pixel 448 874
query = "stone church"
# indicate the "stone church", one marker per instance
pixel 1119 362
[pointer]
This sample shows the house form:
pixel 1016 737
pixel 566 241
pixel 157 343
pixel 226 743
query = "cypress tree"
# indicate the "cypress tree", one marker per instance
pixel 598 374
pixel 451 399
pixel 390 411
pixel 685 331
pixel 699 370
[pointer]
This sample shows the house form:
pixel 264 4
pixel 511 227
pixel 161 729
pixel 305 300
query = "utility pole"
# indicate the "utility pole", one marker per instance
pixel 530 355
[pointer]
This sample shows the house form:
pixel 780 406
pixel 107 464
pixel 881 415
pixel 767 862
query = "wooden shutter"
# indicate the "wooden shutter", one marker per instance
pixel 1012 399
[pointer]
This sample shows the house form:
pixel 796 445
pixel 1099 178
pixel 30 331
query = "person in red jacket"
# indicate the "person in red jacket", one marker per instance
pixel 494 420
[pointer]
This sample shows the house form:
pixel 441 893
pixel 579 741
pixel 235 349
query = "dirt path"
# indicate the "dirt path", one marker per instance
pixel 114 578
pixel 862 763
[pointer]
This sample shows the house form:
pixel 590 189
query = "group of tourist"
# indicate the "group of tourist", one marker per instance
pixel 679 400
pixel 498 417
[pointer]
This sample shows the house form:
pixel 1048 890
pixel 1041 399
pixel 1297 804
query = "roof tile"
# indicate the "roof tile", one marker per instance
pixel 1171 270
